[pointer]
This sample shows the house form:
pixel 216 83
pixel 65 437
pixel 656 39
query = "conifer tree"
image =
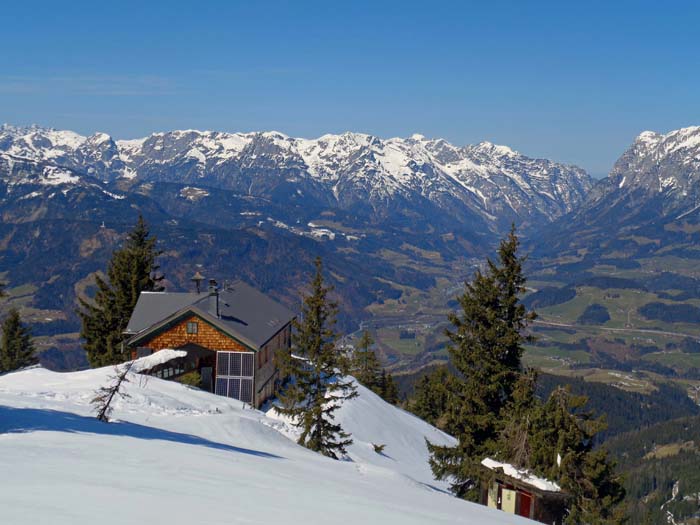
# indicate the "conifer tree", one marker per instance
pixel 430 399
pixel 492 409
pixel 523 413
pixel 562 448
pixel 387 388
pixel 316 387
pixel 131 270
pixel 392 390
pixel 16 346
pixel 365 365
pixel 485 348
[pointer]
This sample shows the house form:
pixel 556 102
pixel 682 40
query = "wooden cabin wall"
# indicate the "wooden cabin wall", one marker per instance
pixel 207 336
pixel 266 370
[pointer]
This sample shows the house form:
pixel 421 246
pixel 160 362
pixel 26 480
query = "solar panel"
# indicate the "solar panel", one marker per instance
pixel 234 388
pixel 235 373
pixel 247 364
pixel 222 363
pixel 235 364
pixel 221 388
pixel 246 390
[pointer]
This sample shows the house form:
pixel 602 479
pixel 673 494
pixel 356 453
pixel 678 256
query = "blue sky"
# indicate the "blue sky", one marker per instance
pixel 572 81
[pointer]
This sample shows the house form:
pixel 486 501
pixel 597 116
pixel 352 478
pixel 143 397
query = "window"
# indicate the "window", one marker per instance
pixel 192 327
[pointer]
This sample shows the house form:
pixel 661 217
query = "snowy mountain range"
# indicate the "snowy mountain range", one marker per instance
pixel 656 182
pixel 180 455
pixel 260 206
pixel 484 185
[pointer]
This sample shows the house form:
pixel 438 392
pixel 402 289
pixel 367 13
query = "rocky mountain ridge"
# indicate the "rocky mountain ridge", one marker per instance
pixel 653 190
pixel 481 185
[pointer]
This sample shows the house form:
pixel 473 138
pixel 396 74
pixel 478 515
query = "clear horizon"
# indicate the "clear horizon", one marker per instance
pixel 574 83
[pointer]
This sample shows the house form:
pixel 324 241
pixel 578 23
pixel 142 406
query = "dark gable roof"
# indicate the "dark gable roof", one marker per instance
pixel 153 307
pixel 244 312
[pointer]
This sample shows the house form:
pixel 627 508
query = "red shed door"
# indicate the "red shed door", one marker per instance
pixel 525 505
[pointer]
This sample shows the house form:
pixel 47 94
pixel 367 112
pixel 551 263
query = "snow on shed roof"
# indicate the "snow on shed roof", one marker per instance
pixel 523 475
pixel 143 364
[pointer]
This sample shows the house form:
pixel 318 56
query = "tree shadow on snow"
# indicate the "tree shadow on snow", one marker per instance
pixel 20 420
pixel 436 489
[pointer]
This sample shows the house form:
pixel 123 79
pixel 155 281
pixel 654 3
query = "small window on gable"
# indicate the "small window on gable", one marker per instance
pixel 192 327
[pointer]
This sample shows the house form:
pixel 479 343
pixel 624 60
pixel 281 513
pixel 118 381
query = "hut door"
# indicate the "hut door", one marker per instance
pixel 234 375
pixel 525 504
pixel 508 500
pixel 206 378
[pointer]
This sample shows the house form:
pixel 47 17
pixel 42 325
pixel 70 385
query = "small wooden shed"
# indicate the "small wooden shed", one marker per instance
pixel 520 492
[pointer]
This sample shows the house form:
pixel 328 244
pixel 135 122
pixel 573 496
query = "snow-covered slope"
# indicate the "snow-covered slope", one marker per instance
pixel 349 170
pixel 179 455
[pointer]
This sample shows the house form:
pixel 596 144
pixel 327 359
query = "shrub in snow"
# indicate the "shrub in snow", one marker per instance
pixel 379 449
pixel 106 394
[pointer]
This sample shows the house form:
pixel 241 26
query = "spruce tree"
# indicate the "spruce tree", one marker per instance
pixel 131 270
pixel 562 439
pixel 515 444
pixel 485 348
pixel 315 385
pixel 429 401
pixel 387 388
pixel 16 346
pixel 492 409
pixel 365 365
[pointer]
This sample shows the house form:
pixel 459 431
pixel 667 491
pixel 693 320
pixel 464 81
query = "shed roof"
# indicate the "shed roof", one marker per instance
pixel 523 475
pixel 243 311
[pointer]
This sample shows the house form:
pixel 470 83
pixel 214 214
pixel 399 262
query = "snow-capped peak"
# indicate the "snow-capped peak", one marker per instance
pixel 490 148
pixel 648 137
pixel 352 168
pixel 682 138
pixel 666 163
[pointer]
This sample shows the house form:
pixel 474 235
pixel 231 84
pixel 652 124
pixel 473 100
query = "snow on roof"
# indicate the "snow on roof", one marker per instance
pixel 521 474
pixel 158 358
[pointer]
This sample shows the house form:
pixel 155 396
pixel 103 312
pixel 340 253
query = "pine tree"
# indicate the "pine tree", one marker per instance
pixel 387 388
pixel 492 409
pixel 16 346
pixel 315 387
pixel 485 349
pixel 562 448
pixel 365 365
pixel 523 412
pixel 131 270
pixel 430 399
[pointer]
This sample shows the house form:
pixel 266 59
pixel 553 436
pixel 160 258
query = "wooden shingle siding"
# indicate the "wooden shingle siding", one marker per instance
pixel 207 336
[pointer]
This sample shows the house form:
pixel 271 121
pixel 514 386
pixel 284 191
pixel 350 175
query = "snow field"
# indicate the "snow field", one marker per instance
pixel 179 455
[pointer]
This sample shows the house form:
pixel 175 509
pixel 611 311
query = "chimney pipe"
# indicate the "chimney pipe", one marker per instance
pixel 213 297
